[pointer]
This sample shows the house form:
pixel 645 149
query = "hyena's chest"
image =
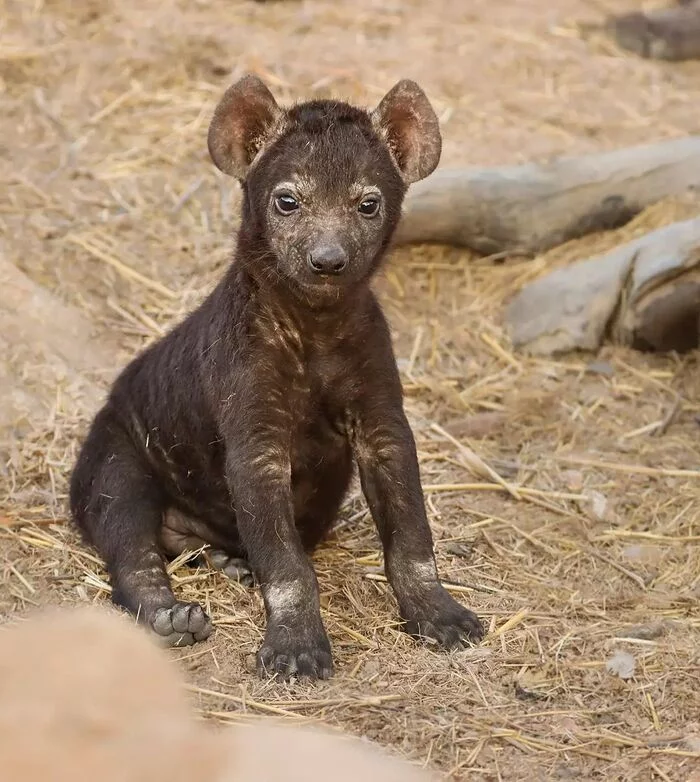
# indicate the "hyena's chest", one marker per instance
pixel 318 426
pixel 319 439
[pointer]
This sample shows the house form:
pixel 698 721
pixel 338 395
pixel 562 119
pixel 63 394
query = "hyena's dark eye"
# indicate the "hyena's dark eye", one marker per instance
pixel 369 206
pixel 286 203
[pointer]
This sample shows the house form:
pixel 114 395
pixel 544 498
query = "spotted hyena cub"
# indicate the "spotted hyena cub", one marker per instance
pixel 239 428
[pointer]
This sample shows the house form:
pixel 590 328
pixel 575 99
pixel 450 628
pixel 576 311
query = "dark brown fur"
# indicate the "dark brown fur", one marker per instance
pixel 239 428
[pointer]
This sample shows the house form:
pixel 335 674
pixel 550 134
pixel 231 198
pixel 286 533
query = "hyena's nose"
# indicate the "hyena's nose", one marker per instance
pixel 328 259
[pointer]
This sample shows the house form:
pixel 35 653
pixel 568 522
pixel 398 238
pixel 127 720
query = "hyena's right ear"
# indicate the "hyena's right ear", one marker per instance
pixel 242 123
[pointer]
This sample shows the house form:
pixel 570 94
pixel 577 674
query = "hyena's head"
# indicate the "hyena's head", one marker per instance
pixel 323 181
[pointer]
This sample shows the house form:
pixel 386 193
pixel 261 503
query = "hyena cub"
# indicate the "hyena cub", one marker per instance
pixel 238 429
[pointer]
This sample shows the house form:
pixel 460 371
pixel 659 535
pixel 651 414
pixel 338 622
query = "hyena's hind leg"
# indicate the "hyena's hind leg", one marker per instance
pixel 118 506
pixel 182 532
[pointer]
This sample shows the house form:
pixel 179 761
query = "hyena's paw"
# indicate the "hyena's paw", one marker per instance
pixel 236 568
pixel 437 617
pixel 286 653
pixel 181 625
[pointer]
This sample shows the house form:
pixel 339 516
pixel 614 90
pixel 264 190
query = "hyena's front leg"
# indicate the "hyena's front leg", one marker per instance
pixel 386 455
pixel 259 475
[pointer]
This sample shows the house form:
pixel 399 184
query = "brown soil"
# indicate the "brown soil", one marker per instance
pixel 103 114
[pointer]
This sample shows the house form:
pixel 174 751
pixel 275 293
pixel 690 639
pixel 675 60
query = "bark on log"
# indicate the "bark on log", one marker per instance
pixel 662 34
pixel 644 294
pixel 534 207
pixel 45 346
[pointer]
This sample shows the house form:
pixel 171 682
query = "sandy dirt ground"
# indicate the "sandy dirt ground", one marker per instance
pixel 108 199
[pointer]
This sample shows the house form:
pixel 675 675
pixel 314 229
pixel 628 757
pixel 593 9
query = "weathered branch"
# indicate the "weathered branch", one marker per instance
pixel 671 33
pixel 44 345
pixel 645 294
pixel 533 207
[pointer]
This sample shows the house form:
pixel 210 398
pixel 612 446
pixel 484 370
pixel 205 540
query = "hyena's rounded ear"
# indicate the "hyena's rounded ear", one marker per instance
pixel 242 123
pixel 408 123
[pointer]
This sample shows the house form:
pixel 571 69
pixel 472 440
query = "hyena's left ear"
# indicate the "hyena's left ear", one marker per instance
pixel 408 123
pixel 242 123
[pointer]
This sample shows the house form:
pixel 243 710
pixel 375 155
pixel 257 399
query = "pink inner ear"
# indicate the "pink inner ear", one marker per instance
pixel 241 124
pixel 412 130
pixel 250 127
pixel 402 136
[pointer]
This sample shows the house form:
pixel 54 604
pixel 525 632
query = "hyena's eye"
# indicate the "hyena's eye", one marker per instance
pixel 369 206
pixel 286 203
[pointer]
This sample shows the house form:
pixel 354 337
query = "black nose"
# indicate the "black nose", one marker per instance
pixel 328 259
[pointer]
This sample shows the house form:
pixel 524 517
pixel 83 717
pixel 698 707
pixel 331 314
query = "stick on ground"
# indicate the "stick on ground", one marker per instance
pixel 44 345
pixel 644 294
pixel 534 207
pixel 660 34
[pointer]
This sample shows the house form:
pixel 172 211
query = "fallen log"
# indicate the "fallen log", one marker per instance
pixel 534 207
pixel 660 34
pixel 45 347
pixel 644 294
